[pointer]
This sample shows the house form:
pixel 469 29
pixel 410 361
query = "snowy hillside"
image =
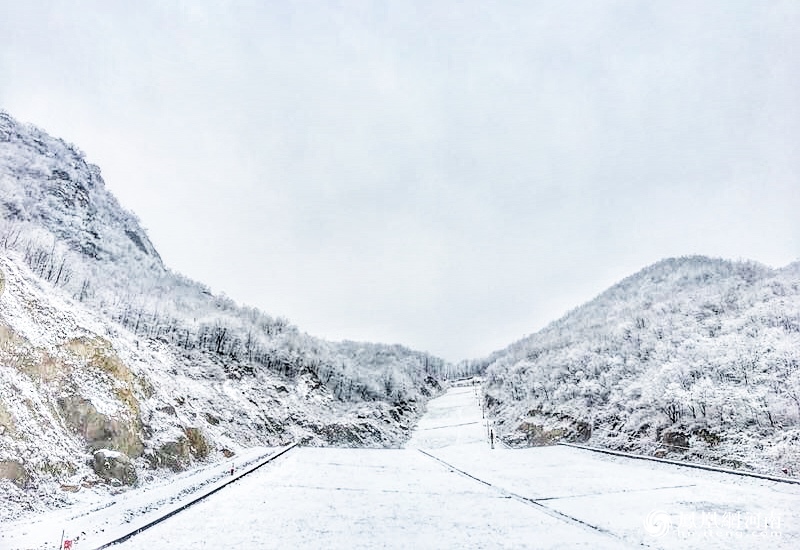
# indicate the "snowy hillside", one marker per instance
pixel 103 348
pixel 693 357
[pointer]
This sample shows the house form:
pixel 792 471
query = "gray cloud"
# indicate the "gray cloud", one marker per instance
pixel 448 175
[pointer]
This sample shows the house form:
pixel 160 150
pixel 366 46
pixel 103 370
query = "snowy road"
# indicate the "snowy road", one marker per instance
pixel 448 489
pixel 460 493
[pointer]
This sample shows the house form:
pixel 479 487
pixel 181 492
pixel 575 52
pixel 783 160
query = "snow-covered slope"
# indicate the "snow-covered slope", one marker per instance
pixel 48 183
pixel 692 356
pixel 103 348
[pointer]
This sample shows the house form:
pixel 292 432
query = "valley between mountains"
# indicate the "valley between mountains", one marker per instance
pixel 118 374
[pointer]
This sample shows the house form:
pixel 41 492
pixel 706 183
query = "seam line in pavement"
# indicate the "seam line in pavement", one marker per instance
pixel 530 502
pixel 615 492
pixel 448 426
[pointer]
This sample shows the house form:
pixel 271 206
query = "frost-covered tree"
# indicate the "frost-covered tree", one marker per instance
pixel 708 349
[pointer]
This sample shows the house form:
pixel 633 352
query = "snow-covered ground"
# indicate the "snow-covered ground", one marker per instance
pixel 100 519
pixel 635 501
pixel 449 489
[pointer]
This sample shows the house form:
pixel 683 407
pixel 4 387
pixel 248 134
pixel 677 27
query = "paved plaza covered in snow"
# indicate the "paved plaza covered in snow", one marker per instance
pixel 460 493
pixel 446 489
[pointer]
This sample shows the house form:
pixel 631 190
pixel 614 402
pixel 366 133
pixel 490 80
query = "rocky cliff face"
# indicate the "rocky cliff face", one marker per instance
pixel 114 370
pixel 48 182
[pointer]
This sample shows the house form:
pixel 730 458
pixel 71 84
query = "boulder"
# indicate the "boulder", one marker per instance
pixel 553 428
pixel 537 435
pixel 198 445
pixel 111 465
pixel 709 437
pixel 14 471
pixel 175 455
pixel 99 430
pixel 7 424
pixel 676 440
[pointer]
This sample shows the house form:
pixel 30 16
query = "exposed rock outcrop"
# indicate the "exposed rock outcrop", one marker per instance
pixel 99 430
pixel 113 465
pixel 14 471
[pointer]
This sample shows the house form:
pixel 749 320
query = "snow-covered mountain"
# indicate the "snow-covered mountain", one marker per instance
pixel 691 357
pixel 114 369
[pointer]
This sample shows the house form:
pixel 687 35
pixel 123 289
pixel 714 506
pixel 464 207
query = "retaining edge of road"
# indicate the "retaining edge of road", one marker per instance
pixel 682 463
pixel 194 501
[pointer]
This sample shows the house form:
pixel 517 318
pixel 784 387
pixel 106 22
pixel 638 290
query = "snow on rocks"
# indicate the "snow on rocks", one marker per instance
pixel 114 466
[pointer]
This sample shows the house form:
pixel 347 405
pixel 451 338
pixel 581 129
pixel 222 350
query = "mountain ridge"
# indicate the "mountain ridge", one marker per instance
pixel 692 357
pixel 66 196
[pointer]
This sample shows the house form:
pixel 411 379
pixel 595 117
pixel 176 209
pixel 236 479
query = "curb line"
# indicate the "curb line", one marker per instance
pixel 183 507
pixel 685 464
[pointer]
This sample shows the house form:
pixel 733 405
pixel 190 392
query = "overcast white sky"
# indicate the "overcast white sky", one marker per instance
pixel 450 175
